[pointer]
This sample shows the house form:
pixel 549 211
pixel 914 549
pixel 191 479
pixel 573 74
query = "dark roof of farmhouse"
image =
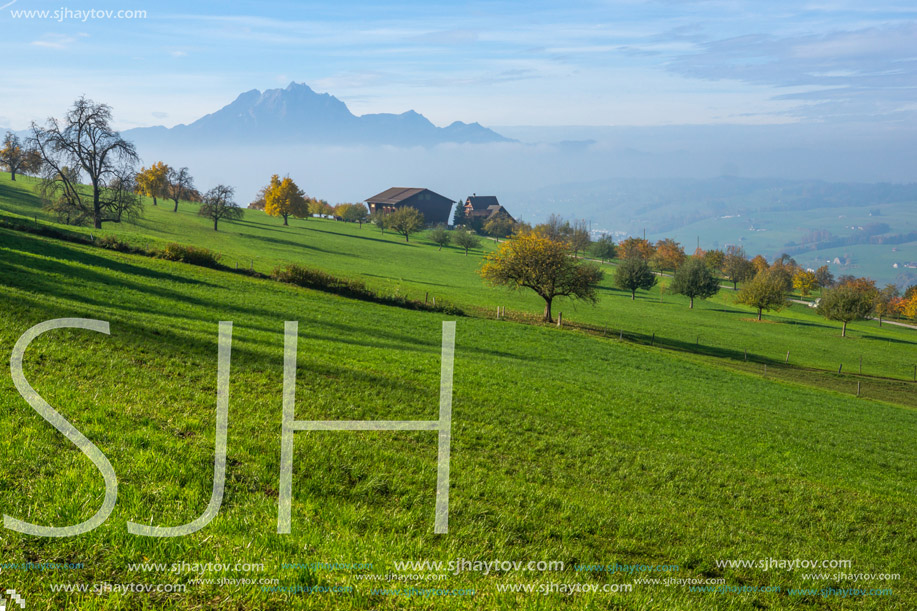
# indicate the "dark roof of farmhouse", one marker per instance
pixel 394 195
pixel 483 202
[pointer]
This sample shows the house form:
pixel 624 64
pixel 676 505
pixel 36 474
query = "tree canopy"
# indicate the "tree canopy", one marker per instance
pixel 543 265
pixel 405 220
pixel 845 304
pixel 764 292
pixel 284 198
pixel 694 280
pixel 634 273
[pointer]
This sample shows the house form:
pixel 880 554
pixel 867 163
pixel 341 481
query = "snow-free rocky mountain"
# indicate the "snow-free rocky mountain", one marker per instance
pixel 299 115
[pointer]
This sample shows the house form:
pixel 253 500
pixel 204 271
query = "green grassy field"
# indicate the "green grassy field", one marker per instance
pixel 567 446
pixel 418 268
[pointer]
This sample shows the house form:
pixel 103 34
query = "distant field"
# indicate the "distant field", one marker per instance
pixel 769 233
pixel 565 447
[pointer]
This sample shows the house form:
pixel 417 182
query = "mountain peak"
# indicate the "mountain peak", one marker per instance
pixel 298 114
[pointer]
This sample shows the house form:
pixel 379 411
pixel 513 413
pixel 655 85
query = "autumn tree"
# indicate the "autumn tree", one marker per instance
pixel 499 226
pixel 736 266
pixel 153 182
pixel 355 213
pixel 543 265
pixel 555 228
pixel 694 280
pixel 284 198
pixel 634 273
pixel 909 306
pixel 885 303
pixel 12 156
pixel 760 264
pixel 466 239
pixel 406 220
pixel 805 281
pixel 784 274
pixel 604 248
pixel 440 236
pixel 668 254
pixel 636 247
pixel 83 143
pixel 764 292
pixel 845 303
pixel 579 238
pixel 824 277
pixel 715 259
pixel 218 205
pixel 179 185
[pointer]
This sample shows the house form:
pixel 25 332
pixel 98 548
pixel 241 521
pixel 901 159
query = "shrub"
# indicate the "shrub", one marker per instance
pixel 190 254
pixel 111 242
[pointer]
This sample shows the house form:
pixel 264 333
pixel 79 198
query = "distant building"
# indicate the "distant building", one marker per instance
pixel 484 207
pixel 434 207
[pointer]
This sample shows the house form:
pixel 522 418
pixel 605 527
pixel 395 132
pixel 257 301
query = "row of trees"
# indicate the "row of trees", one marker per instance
pixel 163 181
pixel 544 259
pixel 87 171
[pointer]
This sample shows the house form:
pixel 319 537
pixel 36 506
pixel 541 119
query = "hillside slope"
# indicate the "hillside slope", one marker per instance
pixel 565 447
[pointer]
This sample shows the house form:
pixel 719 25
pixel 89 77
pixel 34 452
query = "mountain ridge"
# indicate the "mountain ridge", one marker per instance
pixel 298 114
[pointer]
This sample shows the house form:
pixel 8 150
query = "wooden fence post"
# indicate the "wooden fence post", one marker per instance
pixel 560 319
pixel 787 361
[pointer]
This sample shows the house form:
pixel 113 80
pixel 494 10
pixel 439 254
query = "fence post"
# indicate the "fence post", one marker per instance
pixel 787 361
pixel 621 335
pixel 746 354
pixel 605 331
pixel 426 296
pixel 839 367
pixel 653 342
pixel 560 319
pixel 858 389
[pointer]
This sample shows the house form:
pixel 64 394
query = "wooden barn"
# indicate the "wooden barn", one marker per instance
pixel 434 207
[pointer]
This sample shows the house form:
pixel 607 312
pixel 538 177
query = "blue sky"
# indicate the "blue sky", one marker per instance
pixel 662 62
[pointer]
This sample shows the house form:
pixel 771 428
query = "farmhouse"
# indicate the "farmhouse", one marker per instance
pixel 434 207
pixel 484 207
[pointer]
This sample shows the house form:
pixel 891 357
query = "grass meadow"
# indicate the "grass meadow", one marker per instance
pixel 566 445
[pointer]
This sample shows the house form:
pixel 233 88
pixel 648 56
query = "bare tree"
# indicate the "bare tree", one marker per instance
pixel 180 184
pixel 84 143
pixel 219 205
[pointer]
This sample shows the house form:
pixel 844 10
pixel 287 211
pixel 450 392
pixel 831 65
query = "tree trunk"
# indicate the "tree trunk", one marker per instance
pixel 633 295
pixel 735 285
pixel 880 321
pixel 406 237
pixel 215 221
pixel 96 206
pixel 547 311
pixel 154 200
pixel 844 330
pixel 176 206
pixel 285 222
pixel 692 303
pixel 13 174
pixel 759 314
